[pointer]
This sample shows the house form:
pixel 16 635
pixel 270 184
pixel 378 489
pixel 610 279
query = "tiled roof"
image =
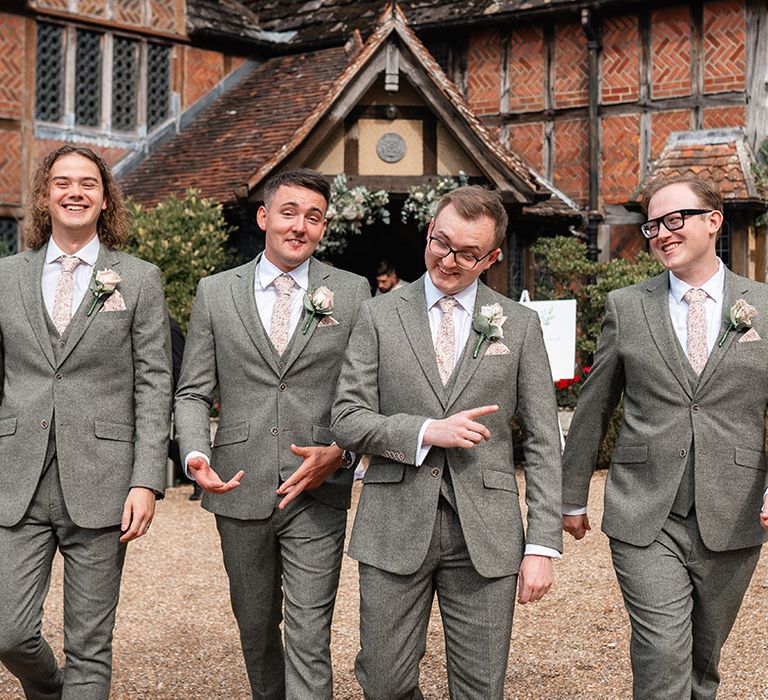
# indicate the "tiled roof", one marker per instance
pixel 230 18
pixel 720 155
pixel 228 140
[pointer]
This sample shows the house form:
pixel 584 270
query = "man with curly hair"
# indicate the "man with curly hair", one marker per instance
pixel 85 393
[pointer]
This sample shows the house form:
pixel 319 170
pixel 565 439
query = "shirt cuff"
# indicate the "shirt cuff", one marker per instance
pixel 765 493
pixel 422 450
pixel 191 455
pixel 571 509
pixel 539 551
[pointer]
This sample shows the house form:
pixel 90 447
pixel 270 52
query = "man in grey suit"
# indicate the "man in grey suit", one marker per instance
pixel 271 334
pixel 687 350
pixel 85 394
pixel 430 393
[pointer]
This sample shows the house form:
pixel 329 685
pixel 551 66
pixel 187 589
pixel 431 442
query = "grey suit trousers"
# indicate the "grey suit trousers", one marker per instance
pixel 394 615
pixel 682 600
pixel 93 562
pixel 301 548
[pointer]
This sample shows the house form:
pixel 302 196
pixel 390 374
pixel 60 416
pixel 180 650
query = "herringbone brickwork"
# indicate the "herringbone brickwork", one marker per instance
pixel 130 12
pixel 571 66
pixel 725 117
pixel 621 60
pixel 11 65
pixel 54 4
pixel 527 141
pixel 203 69
pixel 725 40
pixel 571 158
pixel 483 70
pixel 526 69
pixel 626 241
pixel 663 124
pixel 92 8
pixel 110 155
pixel 162 15
pixel 671 53
pixel 10 172
pixel 619 157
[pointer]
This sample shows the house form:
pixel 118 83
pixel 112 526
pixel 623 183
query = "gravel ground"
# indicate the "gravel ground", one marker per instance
pixel 176 638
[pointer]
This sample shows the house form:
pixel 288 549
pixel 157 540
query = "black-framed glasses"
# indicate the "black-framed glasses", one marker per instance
pixel 673 221
pixel 466 261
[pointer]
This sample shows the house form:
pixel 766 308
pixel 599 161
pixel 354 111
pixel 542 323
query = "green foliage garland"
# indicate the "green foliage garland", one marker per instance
pixel 422 199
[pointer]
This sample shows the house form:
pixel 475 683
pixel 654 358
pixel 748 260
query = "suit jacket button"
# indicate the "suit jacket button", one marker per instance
pixel 275 431
pixel 58 376
pixel 283 387
pixel 435 471
pixel 43 423
pixel 61 343
pixel 695 408
pixel 683 452
pixel 401 456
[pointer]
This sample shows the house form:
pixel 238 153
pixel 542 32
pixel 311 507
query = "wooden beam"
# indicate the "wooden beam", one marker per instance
pixel 351 146
pixel 429 145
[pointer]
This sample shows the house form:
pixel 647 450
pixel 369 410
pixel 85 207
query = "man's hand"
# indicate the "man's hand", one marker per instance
pixel 319 463
pixel 137 513
pixel 576 525
pixel 764 513
pixel 459 430
pixel 534 578
pixel 208 479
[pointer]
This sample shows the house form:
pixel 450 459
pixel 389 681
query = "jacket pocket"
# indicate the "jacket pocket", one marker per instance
pixel 379 472
pixel 503 481
pixel 749 458
pixel 321 435
pixel 230 434
pixel 7 426
pixel 630 454
pixel 122 432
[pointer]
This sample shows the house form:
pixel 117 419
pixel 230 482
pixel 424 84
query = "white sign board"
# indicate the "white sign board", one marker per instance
pixel 558 324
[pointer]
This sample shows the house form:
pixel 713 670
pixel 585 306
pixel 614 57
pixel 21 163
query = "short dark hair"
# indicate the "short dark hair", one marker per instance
pixel 300 177
pixel 385 268
pixel 708 193
pixel 472 202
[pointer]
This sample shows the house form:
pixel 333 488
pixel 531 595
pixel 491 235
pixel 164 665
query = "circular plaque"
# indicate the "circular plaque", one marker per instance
pixel 391 147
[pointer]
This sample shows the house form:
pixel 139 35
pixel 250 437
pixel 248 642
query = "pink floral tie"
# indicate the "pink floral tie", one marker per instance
pixel 697 329
pixel 281 312
pixel 445 342
pixel 62 302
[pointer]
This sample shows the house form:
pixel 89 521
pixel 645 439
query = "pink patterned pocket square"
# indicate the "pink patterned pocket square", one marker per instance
pixel 328 321
pixel 114 302
pixel 497 348
pixel 750 336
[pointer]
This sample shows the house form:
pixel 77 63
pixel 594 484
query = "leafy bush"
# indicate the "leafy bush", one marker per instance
pixel 187 239
pixel 5 248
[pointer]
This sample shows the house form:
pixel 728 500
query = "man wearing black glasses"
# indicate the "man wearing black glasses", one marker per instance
pixel 689 352
pixel 433 375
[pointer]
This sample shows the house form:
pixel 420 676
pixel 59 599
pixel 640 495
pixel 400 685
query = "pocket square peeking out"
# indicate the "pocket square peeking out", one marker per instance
pixel 328 321
pixel 750 336
pixel 497 348
pixel 114 302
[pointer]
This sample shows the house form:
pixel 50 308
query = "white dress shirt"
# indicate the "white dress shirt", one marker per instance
pixel 81 277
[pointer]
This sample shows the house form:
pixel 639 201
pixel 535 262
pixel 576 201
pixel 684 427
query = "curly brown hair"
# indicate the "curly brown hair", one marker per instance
pixel 113 224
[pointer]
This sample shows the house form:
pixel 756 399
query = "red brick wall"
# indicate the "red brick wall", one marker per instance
pixel 571 158
pixel 483 71
pixel 671 53
pixel 94 8
pixel 11 65
pixel 162 15
pixel 571 66
pixel 527 141
pixel 626 241
pixel 43 147
pixel 203 69
pixel 663 124
pixel 619 157
pixel 723 117
pixel 10 172
pixel 621 60
pixel 725 61
pixel 526 69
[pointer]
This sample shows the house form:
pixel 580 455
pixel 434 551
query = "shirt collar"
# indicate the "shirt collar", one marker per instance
pixel 266 273
pixel 714 286
pixel 465 298
pixel 88 253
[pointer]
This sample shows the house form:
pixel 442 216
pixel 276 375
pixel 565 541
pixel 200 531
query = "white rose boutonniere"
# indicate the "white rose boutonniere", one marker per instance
pixel 739 317
pixel 488 323
pixel 319 303
pixel 103 283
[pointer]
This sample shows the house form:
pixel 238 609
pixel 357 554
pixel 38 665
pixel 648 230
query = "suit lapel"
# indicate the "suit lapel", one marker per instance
pixel 318 274
pixel 244 298
pixel 656 309
pixel 31 290
pixel 412 309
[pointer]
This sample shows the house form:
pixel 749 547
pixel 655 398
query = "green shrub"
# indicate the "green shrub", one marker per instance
pixel 187 239
pixel 5 248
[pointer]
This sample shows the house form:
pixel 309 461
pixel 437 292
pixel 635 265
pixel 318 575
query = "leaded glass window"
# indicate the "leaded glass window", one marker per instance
pixel 8 236
pixel 88 79
pixel 158 83
pixel 124 79
pixel 49 72
pixel 724 245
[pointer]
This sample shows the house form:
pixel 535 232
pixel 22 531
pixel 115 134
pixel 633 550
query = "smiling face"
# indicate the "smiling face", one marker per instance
pixel 75 198
pixel 689 252
pixel 474 237
pixel 294 222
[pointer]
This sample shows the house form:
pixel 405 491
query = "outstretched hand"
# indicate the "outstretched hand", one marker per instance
pixel 459 430
pixel 319 463
pixel 208 479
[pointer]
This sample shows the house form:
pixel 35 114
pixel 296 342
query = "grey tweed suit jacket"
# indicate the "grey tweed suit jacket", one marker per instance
pixel 390 385
pixel 267 401
pixel 666 414
pixel 106 390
